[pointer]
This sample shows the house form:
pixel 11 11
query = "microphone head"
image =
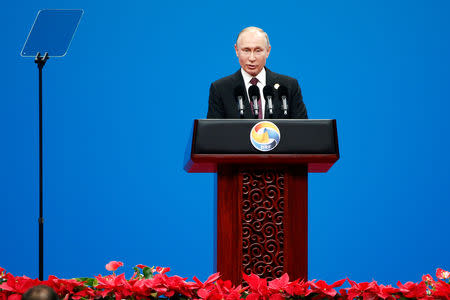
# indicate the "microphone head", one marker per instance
pixel 268 91
pixel 283 91
pixel 239 91
pixel 253 91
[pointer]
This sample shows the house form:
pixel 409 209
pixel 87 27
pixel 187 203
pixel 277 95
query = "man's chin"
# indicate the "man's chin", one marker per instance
pixel 252 72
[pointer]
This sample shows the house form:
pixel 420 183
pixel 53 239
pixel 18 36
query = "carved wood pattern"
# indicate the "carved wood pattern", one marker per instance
pixel 262 214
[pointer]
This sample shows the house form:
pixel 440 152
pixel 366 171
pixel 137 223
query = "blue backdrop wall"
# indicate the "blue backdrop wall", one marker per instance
pixel 119 108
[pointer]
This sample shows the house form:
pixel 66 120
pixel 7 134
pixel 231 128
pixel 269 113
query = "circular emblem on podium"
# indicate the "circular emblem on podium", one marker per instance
pixel 265 136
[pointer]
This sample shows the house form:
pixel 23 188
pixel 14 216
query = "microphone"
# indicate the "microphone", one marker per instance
pixel 268 95
pixel 283 92
pixel 239 95
pixel 253 92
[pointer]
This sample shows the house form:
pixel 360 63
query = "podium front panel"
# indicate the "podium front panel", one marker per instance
pixel 296 136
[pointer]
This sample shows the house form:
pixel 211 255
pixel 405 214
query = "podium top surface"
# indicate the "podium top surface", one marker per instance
pixel 235 141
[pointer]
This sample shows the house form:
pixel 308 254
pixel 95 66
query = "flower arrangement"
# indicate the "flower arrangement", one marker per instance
pixel 154 283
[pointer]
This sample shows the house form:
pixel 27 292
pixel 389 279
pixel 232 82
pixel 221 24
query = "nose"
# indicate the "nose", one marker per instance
pixel 252 56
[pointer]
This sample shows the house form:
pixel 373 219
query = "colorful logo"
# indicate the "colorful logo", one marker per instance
pixel 265 136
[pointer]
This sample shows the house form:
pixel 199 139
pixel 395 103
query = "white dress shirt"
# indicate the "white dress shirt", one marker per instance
pixel 261 84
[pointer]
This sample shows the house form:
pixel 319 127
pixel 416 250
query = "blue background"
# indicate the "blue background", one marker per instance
pixel 119 108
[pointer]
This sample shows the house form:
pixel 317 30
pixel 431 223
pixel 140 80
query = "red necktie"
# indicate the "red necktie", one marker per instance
pixel 254 81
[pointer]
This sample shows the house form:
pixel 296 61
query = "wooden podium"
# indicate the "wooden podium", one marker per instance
pixel 262 197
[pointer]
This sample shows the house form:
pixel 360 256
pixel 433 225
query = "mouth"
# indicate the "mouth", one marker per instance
pixel 252 67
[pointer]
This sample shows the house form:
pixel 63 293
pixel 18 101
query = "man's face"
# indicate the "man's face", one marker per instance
pixel 252 51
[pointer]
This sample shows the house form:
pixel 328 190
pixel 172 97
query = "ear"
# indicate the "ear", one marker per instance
pixel 268 51
pixel 236 49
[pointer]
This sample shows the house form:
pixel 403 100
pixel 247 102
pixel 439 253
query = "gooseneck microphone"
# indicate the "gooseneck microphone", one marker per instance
pixel 283 92
pixel 253 92
pixel 268 95
pixel 239 92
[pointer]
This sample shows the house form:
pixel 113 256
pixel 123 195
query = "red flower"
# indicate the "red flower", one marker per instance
pixel 15 297
pixel 18 285
pixel 113 265
pixel 258 286
pixel 368 290
pixel 442 274
pixel 64 287
pixel 427 278
pixel 161 270
pixel 357 289
pixel 277 296
pixel 205 293
pixel 141 266
pixel 234 293
pixel 441 289
pixel 387 292
pixel 168 286
pixel 177 284
pixel 413 290
pixel 279 284
pixel 322 287
pixel 429 281
pixel 221 290
pixel 141 288
pixel 157 284
pixel 297 288
pixel 116 285
pixel 211 279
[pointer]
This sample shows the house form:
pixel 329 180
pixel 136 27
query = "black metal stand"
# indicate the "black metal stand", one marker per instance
pixel 40 61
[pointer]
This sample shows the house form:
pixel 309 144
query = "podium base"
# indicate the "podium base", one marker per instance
pixel 262 221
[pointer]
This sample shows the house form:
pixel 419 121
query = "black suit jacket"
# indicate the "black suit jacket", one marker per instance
pixel 223 105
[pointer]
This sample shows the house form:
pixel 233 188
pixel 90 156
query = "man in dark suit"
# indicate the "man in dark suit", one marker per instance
pixel 253 48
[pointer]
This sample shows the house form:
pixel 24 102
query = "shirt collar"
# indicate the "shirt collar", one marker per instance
pixel 261 76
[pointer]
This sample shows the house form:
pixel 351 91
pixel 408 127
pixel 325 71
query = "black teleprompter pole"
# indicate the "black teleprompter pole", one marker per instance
pixel 40 61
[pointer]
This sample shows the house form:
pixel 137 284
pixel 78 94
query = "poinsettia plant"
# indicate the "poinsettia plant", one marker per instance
pixel 153 283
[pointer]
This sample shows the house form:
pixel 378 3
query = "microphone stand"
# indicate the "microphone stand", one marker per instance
pixel 255 107
pixel 241 106
pixel 284 106
pixel 40 61
pixel 270 106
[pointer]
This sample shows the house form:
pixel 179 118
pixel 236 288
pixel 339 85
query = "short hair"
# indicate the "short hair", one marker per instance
pixel 40 292
pixel 253 28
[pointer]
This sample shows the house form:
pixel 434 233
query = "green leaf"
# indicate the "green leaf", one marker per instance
pixel 147 273
pixel 93 282
pixel 88 281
